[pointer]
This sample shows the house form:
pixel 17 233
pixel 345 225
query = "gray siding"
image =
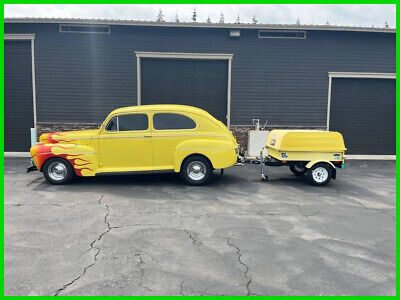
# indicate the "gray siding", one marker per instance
pixel 81 77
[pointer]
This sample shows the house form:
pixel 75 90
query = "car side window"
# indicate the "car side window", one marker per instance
pixel 112 125
pixel 165 121
pixel 132 122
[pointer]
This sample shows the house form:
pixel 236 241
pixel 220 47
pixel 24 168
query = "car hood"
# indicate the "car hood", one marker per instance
pixel 82 137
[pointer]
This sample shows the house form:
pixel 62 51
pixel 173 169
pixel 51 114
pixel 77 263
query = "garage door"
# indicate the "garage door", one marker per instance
pixel 364 111
pixel 200 83
pixel 18 103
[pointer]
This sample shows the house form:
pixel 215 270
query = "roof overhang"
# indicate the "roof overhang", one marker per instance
pixel 198 25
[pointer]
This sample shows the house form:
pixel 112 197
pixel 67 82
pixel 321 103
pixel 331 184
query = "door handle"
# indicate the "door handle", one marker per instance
pixel 147 136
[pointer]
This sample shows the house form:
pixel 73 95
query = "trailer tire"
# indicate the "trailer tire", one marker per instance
pixel 319 174
pixel 298 170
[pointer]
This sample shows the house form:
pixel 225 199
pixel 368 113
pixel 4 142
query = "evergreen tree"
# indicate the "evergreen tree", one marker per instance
pixel 238 19
pixel 221 18
pixel 386 24
pixel 194 17
pixel 176 18
pixel 254 19
pixel 160 16
pixel 208 19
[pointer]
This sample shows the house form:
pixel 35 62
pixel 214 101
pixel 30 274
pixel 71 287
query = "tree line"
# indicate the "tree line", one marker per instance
pixel 160 19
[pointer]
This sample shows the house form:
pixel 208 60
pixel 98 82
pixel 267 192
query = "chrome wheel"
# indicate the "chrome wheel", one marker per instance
pixel 57 171
pixel 320 174
pixel 196 170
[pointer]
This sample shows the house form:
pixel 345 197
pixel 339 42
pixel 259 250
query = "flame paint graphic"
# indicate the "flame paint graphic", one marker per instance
pixel 83 163
pixel 54 138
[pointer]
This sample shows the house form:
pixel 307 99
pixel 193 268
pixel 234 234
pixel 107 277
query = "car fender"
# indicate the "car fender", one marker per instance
pixel 83 158
pixel 221 153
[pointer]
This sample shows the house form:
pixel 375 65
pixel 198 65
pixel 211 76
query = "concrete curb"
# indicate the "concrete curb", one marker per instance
pixel 17 154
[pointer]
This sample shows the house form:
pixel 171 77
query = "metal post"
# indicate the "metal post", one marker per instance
pixel 263 176
pixel 33 137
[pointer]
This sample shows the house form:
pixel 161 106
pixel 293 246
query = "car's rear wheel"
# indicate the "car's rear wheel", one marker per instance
pixel 196 170
pixel 58 171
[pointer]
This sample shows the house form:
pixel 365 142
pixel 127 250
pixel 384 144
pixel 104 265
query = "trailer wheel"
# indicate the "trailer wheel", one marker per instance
pixel 298 170
pixel 319 174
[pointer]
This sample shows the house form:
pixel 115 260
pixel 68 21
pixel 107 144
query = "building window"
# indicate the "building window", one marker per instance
pixel 85 28
pixel 276 34
pixel 168 121
pixel 132 122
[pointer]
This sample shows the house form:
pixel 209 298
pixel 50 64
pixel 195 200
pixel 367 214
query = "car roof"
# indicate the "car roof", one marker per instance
pixel 162 107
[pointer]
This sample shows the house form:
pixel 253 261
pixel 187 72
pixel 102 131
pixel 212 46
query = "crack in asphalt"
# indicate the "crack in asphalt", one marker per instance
pixel 92 246
pixel 141 265
pixel 246 271
pixel 181 289
pixel 382 211
pixel 178 214
pixel 34 204
pixel 304 214
pixel 193 236
pixel 197 293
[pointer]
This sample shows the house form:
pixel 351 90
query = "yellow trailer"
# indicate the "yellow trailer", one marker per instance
pixel 315 153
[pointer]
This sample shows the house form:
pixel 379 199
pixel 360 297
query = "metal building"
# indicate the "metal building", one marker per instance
pixel 70 73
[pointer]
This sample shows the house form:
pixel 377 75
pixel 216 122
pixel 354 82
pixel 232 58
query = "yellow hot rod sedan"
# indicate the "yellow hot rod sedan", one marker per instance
pixel 178 138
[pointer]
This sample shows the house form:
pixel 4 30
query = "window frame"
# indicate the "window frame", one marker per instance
pixel 282 37
pixel 174 113
pixel 119 131
pixel 84 25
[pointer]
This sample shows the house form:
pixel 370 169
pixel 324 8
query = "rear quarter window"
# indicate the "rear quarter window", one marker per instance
pixel 170 121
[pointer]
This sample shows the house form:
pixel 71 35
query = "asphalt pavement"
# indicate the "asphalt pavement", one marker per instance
pixel 153 235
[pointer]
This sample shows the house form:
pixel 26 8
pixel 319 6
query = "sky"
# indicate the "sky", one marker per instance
pixel 335 14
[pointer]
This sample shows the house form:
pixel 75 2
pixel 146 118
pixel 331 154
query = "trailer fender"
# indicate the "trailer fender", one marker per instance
pixel 313 162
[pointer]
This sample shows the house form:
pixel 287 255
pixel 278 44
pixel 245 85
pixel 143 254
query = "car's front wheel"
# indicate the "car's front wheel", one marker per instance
pixel 58 171
pixel 196 170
